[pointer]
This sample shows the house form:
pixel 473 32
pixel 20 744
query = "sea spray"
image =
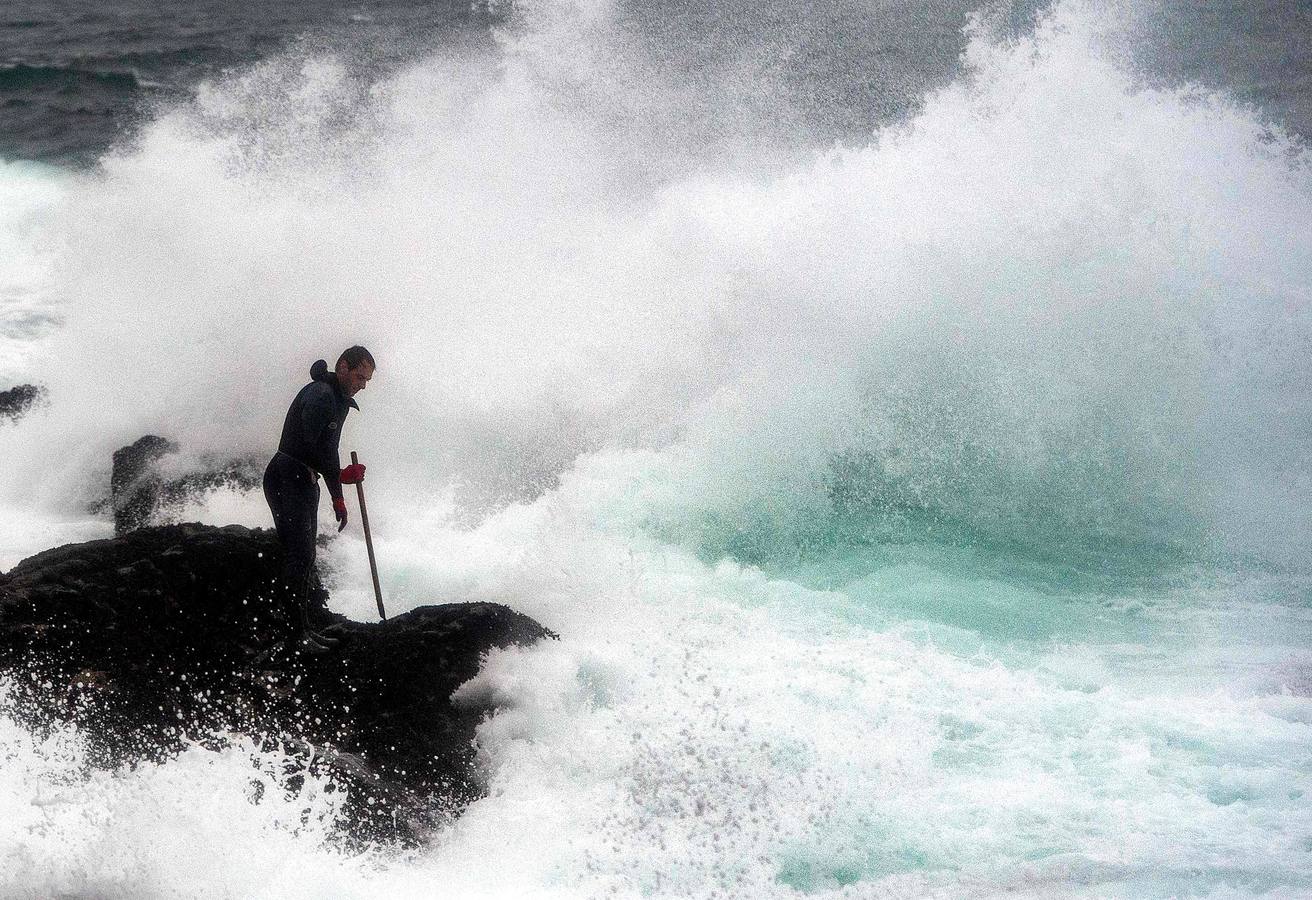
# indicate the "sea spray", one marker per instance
pixel 205 823
pixel 30 194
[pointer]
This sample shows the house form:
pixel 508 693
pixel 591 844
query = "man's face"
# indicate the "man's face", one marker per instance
pixel 353 381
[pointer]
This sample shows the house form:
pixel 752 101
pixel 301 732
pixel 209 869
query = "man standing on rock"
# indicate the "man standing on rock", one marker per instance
pixel 306 452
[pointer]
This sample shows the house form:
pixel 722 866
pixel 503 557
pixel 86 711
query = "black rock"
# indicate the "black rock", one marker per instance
pixel 141 495
pixel 17 400
pixel 135 483
pixel 182 632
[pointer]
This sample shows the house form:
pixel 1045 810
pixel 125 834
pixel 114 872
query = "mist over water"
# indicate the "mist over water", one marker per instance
pixel 923 512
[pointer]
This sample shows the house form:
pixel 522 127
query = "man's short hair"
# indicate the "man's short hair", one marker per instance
pixel 353 356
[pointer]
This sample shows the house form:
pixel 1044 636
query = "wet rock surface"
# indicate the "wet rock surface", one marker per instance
pixel 142 491
pixel 17 400
pixel 135 484
pixel 182 633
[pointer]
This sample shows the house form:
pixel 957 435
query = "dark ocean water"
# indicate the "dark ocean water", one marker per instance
pixel 76 76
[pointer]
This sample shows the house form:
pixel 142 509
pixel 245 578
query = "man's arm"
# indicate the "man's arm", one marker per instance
pixel 318 418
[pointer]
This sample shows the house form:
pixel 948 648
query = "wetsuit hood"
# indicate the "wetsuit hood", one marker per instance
pixel 319 372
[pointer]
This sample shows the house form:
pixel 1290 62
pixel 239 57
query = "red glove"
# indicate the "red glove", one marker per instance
pixel 353 474
pixel 339 508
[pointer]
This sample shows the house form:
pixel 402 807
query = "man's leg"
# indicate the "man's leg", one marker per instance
pixel 293 497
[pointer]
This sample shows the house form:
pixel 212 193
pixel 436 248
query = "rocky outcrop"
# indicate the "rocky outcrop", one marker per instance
pixel 142 494
pixel 135 484
pixel 180 633
pixel 18 399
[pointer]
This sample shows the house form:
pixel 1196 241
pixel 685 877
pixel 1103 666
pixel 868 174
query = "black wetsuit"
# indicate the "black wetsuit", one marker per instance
pixel 306 451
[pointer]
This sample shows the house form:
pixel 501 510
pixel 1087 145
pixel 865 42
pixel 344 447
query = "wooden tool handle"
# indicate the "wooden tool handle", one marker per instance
pixel 369 542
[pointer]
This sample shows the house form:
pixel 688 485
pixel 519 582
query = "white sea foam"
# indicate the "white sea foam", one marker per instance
pixel 925 519
pixel 30 194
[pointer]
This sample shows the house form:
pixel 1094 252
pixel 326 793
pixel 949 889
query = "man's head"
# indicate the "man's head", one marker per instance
pixel 354 369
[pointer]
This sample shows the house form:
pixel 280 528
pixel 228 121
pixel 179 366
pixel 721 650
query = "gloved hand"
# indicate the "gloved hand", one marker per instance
pixel 339 508
pixel 353 474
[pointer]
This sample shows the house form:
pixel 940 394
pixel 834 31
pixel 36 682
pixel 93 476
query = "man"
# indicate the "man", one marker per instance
pixel 307 452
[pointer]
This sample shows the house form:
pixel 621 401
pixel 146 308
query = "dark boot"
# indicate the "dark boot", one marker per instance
pixel 310 644
pixel 310 635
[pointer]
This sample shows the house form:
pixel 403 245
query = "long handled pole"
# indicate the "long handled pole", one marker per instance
pixel 369 543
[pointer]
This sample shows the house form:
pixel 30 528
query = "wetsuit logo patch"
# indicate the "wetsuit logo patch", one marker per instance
pixel 332 425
